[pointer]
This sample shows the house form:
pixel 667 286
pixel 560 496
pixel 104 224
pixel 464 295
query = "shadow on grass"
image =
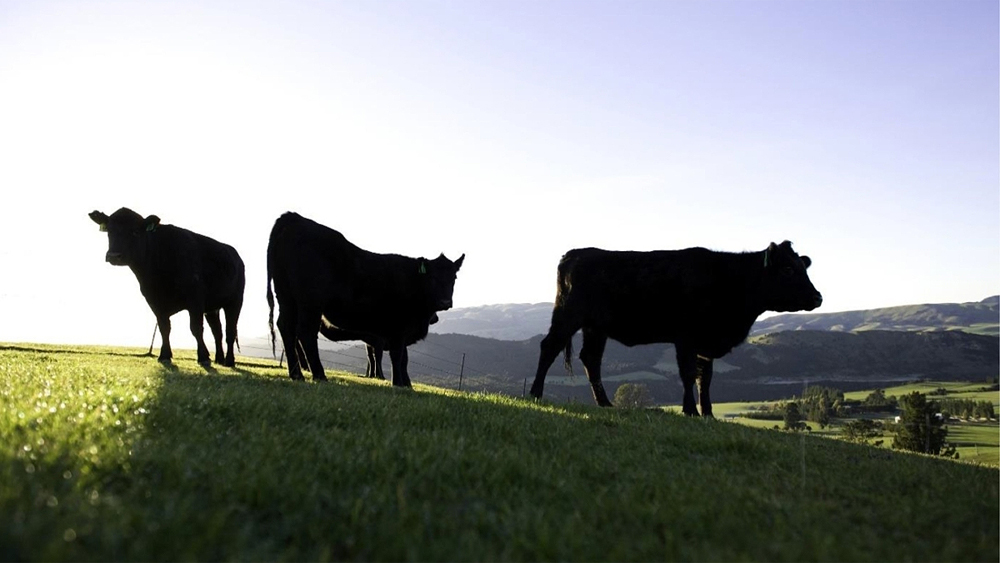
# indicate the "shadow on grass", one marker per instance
pixel 83 350
pixel 243 463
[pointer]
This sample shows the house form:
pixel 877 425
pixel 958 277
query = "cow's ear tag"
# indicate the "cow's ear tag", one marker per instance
pixel 150 227
pixel 423 268
pixel 103 227
pixel 767 257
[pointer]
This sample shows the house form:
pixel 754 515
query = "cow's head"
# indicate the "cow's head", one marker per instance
pixel 127 232
pixel 438 276
pixel 786 284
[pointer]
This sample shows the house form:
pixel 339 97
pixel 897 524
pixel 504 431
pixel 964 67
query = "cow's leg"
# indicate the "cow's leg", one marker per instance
pixel 286 327
pixel 198 331
pixel 370 356
pixel 374 370
pixel 232 319
pixel 377 355
pixel 704 370
pixel 216 327
pixel 559 338
pixel 399 359
pixel 166 354
pixel 686 364
pixel 307 333
pixel 591 354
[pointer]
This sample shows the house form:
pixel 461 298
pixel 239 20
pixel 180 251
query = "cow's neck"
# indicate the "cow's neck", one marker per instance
pixel 753 283
pixel 142 267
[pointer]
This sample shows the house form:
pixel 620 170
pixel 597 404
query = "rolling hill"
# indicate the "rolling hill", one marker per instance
pixel 524 320
pixel 486 348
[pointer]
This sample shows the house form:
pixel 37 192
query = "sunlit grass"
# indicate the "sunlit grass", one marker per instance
pixel 109 456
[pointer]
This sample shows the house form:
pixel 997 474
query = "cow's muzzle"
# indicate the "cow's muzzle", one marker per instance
pixel 444 305
pixel 115 258
pixel 817 300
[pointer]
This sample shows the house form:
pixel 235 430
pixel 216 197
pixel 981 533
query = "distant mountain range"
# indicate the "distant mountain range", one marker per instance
pixel 981 317
pixel 487 349
pixel 524 320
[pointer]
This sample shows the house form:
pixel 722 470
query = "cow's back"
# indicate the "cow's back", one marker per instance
pixel 643 297
pixel 222 272
pixel 304 257
pixel 180 265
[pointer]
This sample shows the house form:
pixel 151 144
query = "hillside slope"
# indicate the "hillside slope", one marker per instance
pixel 981 317
pixel 522 321
pixel 110 456
pixel 766 367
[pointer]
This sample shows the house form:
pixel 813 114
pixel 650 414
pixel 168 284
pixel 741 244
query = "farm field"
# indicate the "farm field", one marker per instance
pixel 975 441
pixel 108 455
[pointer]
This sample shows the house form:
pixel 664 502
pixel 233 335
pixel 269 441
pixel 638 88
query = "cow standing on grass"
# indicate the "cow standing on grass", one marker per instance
pixel 374 346
pixel 323 281
pixel 178 269
pixel 702 301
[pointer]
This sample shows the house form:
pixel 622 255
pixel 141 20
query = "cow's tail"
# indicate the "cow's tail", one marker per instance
pixel 270 315
pixel 569 357
pixel 563 287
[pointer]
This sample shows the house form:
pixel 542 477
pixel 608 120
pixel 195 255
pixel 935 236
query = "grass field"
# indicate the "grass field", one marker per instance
pixel 975 441
pixel 109 456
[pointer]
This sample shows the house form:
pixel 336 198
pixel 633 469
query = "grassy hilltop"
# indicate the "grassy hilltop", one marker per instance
pixel 108 455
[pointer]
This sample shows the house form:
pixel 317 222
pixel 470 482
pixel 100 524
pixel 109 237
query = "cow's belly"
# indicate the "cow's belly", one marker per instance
pixel 635 335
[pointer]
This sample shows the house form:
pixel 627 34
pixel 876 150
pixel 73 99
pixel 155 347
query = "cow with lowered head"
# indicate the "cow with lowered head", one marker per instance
pixel 374 345
pixel 702 301
pixel 324 282
pixel 179 270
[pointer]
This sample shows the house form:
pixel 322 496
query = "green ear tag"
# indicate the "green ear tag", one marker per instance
pixel 150 227
pixel 423 268
pixel 103 227
pixel 767 257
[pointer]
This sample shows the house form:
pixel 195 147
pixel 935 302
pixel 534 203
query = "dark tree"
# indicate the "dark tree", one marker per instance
pixel 793 418
pixel 633 396
pixel 862 430
pixel 921 428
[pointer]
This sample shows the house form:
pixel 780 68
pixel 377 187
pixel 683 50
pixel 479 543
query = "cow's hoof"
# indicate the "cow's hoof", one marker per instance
pixel 207 364
pixel 320 379
pixel 164 361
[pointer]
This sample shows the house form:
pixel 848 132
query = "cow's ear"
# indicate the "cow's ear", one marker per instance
pixel 151 223
pixel 769 253
pixel 101 219
pixel 806 261
pixel 458 263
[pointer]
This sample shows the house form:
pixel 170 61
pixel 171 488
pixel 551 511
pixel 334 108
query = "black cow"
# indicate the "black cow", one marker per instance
pixel 323 280
pixel 702 301
pixel 374 346
pixel 178 269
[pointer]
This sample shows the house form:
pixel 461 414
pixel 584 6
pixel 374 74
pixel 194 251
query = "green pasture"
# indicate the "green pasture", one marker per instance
pixel 975 441
pixel 109 456
pixel 956 390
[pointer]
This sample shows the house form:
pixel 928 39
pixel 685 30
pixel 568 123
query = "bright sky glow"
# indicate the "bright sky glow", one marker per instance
pixel 865 132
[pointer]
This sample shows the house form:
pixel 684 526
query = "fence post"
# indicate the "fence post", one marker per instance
pixel 461 372
pixel 153 339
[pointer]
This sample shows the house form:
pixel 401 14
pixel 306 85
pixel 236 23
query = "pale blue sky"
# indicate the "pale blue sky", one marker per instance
pixel 868 133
